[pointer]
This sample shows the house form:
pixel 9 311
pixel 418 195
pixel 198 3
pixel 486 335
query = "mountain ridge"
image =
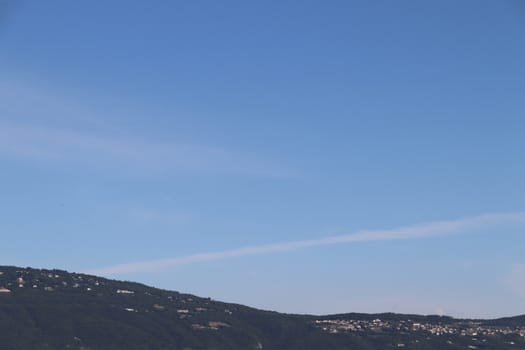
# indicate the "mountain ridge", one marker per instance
pixel 50 309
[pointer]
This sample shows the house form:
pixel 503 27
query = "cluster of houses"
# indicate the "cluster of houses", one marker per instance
pixel 44 280
pixel 211 325
pixel 461 328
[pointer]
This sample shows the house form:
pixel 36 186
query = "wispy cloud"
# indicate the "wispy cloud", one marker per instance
pixel 97 151
pixel 439 228
pixel 41 123
pixel 35 101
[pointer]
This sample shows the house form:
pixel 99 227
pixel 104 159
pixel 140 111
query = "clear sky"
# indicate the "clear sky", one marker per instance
pixel 299 156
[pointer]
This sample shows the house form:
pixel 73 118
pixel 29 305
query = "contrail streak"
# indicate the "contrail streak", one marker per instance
pixel 432 229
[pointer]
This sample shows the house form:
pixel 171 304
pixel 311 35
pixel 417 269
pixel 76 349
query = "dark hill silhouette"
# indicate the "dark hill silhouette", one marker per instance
pixel 54 309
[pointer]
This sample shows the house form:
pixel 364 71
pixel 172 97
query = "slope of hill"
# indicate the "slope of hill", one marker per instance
pixel 53 309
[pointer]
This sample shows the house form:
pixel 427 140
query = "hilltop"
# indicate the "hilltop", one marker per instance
pixel 54 309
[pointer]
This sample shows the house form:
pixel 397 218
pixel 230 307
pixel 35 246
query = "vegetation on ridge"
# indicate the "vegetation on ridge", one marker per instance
pixel 53 309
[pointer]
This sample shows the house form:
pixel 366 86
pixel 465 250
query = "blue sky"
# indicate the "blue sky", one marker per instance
pixel 173 135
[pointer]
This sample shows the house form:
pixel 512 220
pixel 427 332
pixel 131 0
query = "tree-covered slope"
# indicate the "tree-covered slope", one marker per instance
pixel 52 309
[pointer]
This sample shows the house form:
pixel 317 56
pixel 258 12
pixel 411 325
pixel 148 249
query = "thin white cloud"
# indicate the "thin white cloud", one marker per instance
pixel 26 102
pixel 96 151
pixel 439 228
pixel 41 123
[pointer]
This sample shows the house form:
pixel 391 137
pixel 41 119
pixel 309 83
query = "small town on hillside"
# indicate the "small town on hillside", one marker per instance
pixel 476 330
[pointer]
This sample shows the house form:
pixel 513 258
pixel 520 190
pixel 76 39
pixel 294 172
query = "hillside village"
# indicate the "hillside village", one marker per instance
pixel 464 328
pixel 476 331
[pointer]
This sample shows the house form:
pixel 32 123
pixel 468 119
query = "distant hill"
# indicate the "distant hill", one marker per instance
pixel 53 309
